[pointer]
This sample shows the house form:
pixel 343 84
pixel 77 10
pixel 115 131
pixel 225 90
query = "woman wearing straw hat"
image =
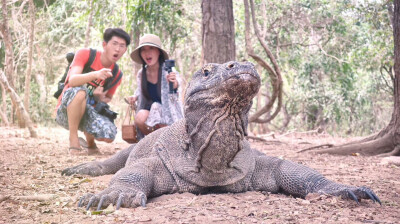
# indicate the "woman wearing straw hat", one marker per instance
pixel 156 107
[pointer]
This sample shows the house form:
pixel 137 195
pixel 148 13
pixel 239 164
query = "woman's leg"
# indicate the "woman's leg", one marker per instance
pixel 140 119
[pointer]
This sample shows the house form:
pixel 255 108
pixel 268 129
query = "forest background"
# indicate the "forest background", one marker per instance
pixel 328 76
pixel 335 57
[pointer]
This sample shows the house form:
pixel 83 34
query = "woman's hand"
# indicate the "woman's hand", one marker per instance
pixel 171 77
pixel 131 100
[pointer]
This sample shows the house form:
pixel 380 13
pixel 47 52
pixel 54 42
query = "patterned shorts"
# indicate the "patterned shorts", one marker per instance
pixel 155 115
pixel 93 123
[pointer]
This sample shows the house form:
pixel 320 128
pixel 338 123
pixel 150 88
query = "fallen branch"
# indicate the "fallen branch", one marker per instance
pixel 272 134
pixel 40 197
pixel 317 131
pixel 3 198
pixel 277 199
pixel 316 147
pixel 256 138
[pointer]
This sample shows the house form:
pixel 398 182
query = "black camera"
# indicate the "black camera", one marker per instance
pixel 104 109
pixel 169 64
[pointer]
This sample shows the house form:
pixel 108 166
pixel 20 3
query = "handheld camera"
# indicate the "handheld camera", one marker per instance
pixel 104 109
pixel 169 65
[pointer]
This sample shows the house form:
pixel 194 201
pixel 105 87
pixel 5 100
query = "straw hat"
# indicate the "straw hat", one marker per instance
pixel 147 40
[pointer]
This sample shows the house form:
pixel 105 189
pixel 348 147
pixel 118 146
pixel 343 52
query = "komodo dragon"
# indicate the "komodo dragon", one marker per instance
pixel 207 152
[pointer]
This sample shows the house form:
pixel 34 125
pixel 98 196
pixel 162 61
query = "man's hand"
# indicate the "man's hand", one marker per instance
pixel 100 95
pixel 78 79
pixel 103 74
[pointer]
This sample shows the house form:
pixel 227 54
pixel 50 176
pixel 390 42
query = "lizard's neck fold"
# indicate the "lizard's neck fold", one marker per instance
pixel 216 137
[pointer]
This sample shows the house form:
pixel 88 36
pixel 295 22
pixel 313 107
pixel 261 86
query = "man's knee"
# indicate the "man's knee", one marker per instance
pixel 79 99
pixel 80 96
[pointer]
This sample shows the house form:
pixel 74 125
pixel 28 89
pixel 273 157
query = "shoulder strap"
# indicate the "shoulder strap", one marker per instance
pixel 86 68
pixel 112 82
pixel 92 56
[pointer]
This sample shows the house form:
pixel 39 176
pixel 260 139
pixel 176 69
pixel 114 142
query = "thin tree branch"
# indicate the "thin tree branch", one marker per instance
pixel 17 101
pixel 274 71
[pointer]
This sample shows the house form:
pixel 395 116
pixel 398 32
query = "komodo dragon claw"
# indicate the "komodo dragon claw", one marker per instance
pixel 115 197
pixel 351 195
pixel 367 193
pixel 354 193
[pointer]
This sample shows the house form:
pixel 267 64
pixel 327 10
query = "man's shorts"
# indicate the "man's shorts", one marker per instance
pixel 93 123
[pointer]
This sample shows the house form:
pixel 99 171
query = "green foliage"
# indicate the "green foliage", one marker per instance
pixel 163 18
pixel 330 52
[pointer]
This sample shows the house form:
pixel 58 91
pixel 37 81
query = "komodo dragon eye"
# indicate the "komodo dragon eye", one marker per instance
pixel 206 70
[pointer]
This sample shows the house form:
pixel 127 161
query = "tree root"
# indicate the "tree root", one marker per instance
pixel 377 146
pixel 395 152
pixel 316 147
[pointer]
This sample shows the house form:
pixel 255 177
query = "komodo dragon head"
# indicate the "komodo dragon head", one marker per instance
pixel 217 103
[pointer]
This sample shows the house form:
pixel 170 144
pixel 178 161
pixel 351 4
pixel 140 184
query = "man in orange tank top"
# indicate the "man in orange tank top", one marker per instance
pixel 86 87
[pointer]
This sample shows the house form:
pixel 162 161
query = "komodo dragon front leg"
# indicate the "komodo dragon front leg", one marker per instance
pixel 276 175
pixel 132 185
pixel 99 168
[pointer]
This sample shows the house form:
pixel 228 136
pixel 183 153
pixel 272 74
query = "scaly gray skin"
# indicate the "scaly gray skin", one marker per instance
pixel 207 151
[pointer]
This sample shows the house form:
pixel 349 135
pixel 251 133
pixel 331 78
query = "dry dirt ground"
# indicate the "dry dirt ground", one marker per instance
pixel 32 189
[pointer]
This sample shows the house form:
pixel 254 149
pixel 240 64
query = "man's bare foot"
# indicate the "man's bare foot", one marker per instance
pixel 88 145
pixel 92 148
pixel 93 151
pixel 77 151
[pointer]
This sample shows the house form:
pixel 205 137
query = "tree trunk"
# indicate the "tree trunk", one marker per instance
pixel 30 57
pixel 17 101
pixel 9 57
pixel 40 80
pixel 218 31
pixel 9 60
pixel 3 110
pixel 4 118
pixel 387 141
pixel 89 25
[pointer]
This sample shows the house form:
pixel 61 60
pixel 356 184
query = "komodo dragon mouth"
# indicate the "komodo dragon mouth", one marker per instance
pixel 242 86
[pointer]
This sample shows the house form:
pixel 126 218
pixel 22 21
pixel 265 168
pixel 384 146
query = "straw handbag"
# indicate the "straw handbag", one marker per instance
pixel 128 126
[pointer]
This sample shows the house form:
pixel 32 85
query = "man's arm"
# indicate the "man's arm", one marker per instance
pixel 76 78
